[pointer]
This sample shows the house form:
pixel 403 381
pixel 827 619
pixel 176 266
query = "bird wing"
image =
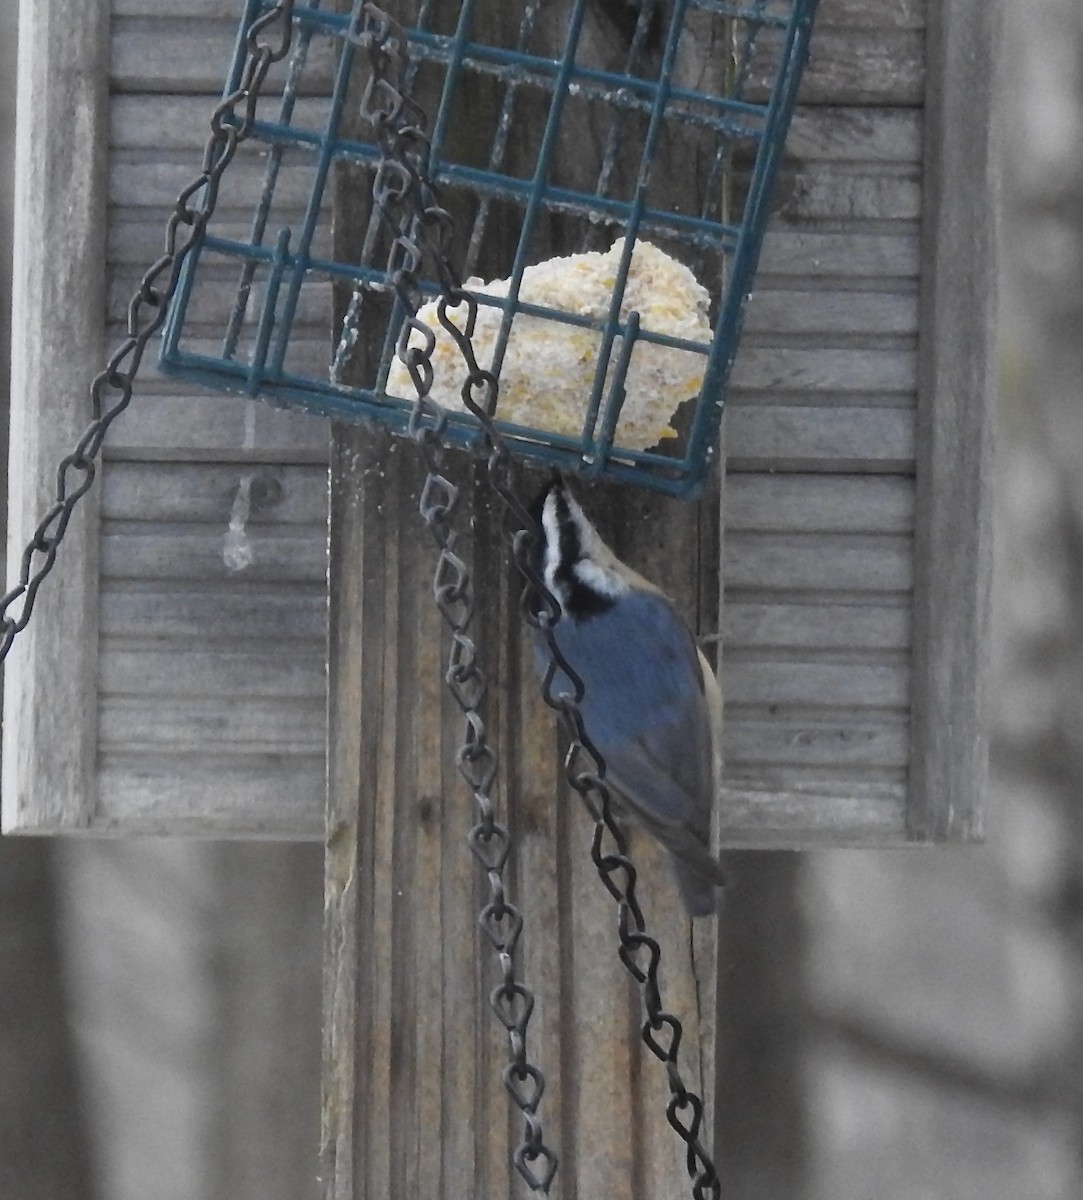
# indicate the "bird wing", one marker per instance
pixel 646 710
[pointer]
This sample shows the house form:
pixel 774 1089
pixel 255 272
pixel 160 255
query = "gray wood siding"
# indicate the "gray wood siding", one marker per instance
pixel 203 689
pixel 210 684
pixel 819 508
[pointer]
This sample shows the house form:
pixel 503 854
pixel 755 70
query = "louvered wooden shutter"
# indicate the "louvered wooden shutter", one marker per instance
pixel 158 691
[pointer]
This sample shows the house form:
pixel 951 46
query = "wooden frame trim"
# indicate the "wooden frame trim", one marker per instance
pixel 949 740
pixel 50 683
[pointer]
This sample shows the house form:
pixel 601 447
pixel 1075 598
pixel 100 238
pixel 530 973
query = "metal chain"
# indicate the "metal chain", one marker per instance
pixel 410 207
pixel 404 192
pixel 409 202
pixel 111 391
pixel 584 769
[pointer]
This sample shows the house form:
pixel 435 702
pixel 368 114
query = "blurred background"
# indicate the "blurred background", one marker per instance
pixel 921 1012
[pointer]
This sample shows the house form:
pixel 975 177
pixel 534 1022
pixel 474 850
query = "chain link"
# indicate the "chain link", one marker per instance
pixel 111 391
pixel 584 770
pixel 410 202
pixel 410 207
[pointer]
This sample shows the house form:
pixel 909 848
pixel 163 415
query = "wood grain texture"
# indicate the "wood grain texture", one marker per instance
pixel 144 612
pixel 902 14
pixel 408 974
pixel 808 811
pixel 153 552
pixel 50 724
pixel 190 795
pixel 413 1057
pixel 824 430
pixel 196 660
pixel 269 725
pixel 953 532
pixel 170 425
pixel 160 124
pixel 849 63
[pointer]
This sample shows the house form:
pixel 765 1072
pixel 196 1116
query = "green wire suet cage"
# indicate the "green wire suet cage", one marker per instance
pixel 553 138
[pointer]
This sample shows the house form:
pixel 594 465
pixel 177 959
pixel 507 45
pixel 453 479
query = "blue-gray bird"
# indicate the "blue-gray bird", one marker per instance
pixel 651 703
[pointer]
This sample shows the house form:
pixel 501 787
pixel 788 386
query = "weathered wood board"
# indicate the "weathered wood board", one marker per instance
pixel 156 689
pixel 411 1046
pixel 198 692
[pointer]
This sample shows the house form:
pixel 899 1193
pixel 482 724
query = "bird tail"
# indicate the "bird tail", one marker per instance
pixel 699 880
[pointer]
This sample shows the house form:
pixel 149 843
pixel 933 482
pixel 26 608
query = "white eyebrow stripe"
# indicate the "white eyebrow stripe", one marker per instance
pixel 551 529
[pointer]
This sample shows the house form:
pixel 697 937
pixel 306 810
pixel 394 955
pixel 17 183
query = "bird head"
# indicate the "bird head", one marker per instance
pixel 584 575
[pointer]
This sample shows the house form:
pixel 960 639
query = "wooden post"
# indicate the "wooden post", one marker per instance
pixel 50 685
pixel 413 1099
pixel 950 744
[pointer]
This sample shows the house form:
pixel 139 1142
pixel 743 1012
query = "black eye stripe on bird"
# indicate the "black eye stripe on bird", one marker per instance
pixel 651 703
